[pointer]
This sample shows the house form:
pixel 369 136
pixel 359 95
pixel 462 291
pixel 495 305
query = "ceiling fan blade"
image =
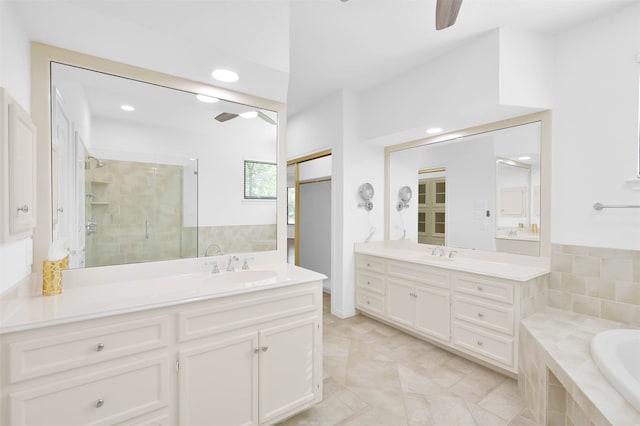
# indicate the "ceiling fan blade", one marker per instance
pixel 447 13
pixel 225 116
pixel 266 118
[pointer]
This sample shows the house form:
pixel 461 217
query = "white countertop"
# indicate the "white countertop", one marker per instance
pixel 84 302
pixel 501 265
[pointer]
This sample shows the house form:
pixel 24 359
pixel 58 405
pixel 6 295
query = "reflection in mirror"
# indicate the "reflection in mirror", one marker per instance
pixel 144 173
pixel 460 189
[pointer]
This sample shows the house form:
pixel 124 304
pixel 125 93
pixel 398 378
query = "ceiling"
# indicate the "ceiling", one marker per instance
pixel 297 51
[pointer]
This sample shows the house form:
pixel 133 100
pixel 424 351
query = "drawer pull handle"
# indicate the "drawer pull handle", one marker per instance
pixel 480 315
pixel 480 288
pixel 24 209
pixel 265 348
pixel 100 347
pixel 480 343
pixel 99 403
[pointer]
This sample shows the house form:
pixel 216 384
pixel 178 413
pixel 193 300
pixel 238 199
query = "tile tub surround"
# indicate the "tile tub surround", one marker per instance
pixel 599 282
pixel 556 343
pixel 230 238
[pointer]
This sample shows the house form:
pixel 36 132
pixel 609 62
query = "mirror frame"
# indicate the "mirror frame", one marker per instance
pixel 543 117
pixel 41 57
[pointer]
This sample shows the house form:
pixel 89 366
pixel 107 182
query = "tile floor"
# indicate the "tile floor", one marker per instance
pixel 376 375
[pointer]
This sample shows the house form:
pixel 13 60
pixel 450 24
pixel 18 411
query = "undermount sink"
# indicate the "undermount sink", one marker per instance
pixel 616 352
pixel 243 277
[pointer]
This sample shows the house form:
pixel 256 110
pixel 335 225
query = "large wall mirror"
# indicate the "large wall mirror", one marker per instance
pixel 484 188
pixel 149 167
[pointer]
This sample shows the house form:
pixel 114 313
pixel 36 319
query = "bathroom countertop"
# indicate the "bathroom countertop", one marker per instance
pixel 85 302
pixel 501 265
pixel 566 338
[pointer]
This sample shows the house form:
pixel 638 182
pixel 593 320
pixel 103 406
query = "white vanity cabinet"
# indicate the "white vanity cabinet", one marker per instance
pixel 484 318
pixel 17 170
pixel 475 315
pixel 370 284
pixel 418 296
pixel 250 364
pixel 93 372
pixel 245 359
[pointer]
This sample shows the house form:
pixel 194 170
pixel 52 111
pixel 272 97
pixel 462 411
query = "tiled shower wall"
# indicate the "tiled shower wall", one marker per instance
pixel 599 282
pixel 138 211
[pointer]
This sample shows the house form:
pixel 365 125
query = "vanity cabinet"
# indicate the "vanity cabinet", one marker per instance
pixel 418 297
pixel 484 318
pixel 247 359
pixel 17 170
pixel 96 372
pixel 472 314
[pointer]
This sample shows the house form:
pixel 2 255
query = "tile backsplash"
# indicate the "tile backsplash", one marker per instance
pixel 595 281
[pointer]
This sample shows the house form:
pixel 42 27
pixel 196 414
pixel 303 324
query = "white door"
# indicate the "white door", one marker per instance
pixel 400 302
pixel 218 382
pixel 433 312
pixel 287 367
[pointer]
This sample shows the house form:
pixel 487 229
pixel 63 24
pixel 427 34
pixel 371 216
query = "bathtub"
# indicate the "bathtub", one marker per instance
pixel 617 354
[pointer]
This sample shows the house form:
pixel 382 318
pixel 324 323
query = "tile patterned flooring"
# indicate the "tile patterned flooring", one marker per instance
pixel 377 375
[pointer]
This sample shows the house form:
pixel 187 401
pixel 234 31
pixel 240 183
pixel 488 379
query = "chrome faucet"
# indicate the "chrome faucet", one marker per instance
pixel 230 267
pixel 245 264
pixel 214 269
pixel 451 253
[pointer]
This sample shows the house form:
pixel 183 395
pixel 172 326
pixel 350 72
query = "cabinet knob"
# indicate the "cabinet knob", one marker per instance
pixel 368 283
pixel 480 343
pixel 100 347
pixel 368 302
pixel 256 350
pixel 99 403
pixel 368 264
pixel 480 315
pixel 480 288
pixel 24 209
pixel 265 348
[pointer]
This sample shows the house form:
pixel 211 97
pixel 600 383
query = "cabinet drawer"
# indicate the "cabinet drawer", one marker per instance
pixel 370 263
pixel 243 312
pixel 482 287
pixel 483 343
pixel 108 397
pixel 60 352
pixel 370 301
pixel 485 314
pixel 425 274
pixel 370 282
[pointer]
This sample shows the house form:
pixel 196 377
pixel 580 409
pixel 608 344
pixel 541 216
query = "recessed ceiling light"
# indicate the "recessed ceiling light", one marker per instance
pixel 524 157
pixel 207 99
pixel 249 114
pixel 434 130
pixel 226 76
pixel 127 108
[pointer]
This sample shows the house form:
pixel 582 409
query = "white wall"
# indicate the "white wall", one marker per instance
pixel 15 60
pixel 595 132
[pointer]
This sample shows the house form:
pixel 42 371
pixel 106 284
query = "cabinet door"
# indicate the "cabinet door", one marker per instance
pixel 288 370
pixel 433 311
pixel 22 171
pixel 400 302
pixel 218 382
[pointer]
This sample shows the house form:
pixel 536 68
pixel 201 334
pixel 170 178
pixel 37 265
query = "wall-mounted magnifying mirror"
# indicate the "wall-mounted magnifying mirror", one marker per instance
pixel 366 194
pixel 404 196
